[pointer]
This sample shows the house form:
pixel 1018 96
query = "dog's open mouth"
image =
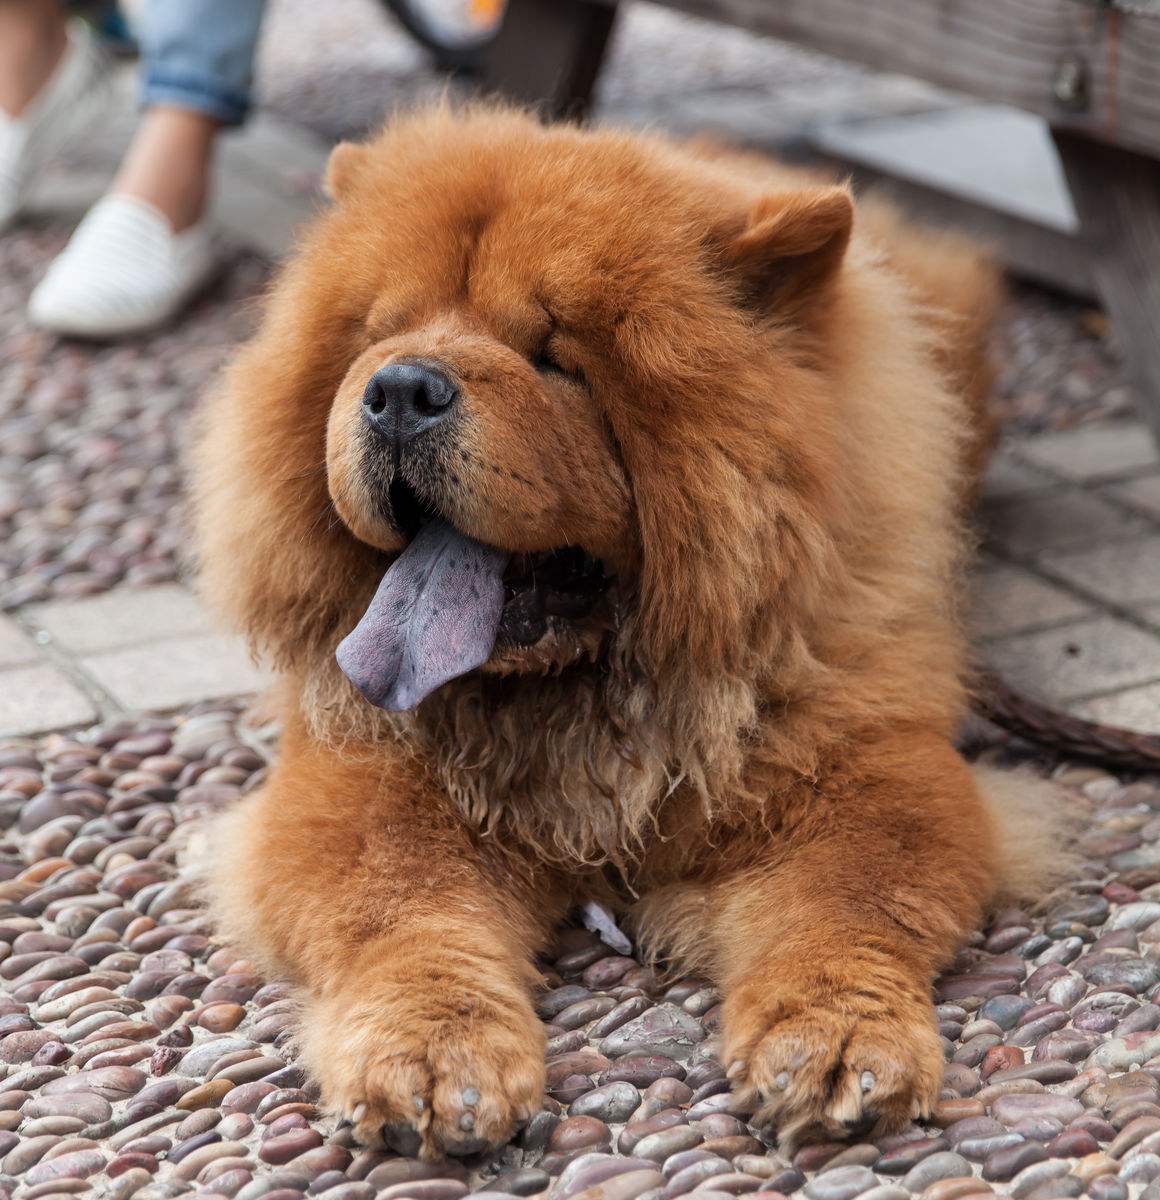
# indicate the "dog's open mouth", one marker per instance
pixel 448 600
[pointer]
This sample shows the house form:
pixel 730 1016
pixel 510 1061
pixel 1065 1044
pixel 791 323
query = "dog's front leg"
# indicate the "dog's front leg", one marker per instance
pixel 828 942
pixel 414 942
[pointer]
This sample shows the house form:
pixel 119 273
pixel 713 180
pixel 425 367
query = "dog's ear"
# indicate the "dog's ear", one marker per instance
pixel 343 168
pixel 788 249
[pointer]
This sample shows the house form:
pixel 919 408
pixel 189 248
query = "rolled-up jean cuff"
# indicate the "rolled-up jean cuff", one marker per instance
pixel 195 95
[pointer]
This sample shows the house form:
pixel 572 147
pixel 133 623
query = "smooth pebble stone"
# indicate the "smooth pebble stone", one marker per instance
pixel 1004 1163
pixel 221 1018
pixel 843 1183
pixel 733 1184
pixel 685 1158
pixel 689 1177
pixel 613 1103
pixel 405 1170
pixel 79 1164
pixel 1011 1108
pixel 197 1122
pixel 1140 1168
pixel 642 1070
pixel 1072 1143
pixel 948 1112
pixel 84 1106
pixel 350 1191
pixel 1005 1011
pixel 129 1161
pixel 665 1030
pixel 952 1189
pixel 61 1126
pixel 235 1125
pixel 899 1159
pixel 1066 991
pixel 658 1146
pixel 1107 1187
pixel 523 1181
pixel 935 1166
pixel 862 1154
pixel 195 1162
pixel 247 1096
pixel 426 1189
pixel 999 1058
pixel 1033 1177
pixel 190 1144
pixel 576 1133
pixel 111 1083
pixel 589 1170
pixel 635 1130
pixel 206 1095
pixel 27 1153
pixel 282 1149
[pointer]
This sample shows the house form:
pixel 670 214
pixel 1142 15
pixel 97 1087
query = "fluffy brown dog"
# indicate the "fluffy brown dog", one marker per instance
pixel 664 450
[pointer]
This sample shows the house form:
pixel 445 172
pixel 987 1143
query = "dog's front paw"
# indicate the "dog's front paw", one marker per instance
pixel 428 1071
pixel 833 1065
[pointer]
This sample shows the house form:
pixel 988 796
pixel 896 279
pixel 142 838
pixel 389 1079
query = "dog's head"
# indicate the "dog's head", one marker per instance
pixel 543 388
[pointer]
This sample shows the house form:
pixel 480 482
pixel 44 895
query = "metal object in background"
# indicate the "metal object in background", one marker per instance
pixel 455 32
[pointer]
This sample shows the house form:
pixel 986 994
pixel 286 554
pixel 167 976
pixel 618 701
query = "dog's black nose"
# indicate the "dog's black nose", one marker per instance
pixel 403 399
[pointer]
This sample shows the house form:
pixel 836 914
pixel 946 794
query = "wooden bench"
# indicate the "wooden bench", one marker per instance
pixel 1091 68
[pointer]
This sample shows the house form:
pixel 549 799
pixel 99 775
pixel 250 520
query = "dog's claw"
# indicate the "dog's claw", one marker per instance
pixel 357 1113
pixel 867 1081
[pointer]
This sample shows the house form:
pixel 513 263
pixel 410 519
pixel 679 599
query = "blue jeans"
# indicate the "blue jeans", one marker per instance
pixel 199 54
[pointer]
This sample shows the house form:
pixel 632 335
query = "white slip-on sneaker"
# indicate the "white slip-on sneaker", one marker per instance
pixel 123 271
pixel 73 97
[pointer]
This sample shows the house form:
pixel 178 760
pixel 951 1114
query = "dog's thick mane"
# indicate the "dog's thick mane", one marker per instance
pixel 799 579
pixel 578 765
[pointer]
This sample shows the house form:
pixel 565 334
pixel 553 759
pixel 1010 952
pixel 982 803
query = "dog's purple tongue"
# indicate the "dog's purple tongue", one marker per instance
pixel 434 617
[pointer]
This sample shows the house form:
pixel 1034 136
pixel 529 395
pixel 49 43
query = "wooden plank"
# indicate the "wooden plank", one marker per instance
pixel 1085 66
pixel 1117 197
pixel 1028 250
pixel 548 53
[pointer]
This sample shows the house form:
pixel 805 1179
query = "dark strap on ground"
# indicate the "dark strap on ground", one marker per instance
pixel 1070 736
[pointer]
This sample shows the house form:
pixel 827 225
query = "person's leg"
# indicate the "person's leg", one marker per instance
pixel 145 249
pixel 197 58
pixel 51 90
pixel 168 163
pixel 33 38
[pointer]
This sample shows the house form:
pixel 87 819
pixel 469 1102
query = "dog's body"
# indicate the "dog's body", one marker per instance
pixel 684 363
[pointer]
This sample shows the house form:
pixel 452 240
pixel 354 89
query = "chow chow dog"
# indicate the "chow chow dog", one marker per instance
pixel 599 500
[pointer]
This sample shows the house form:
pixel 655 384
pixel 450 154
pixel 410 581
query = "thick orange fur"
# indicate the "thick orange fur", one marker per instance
pixel 766 429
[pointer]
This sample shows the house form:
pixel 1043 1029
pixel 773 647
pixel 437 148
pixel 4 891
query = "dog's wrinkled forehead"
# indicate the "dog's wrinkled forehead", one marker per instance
pixel 552 248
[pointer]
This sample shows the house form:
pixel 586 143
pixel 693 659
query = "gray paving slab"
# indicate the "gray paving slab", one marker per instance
pixel 1009 599
pixel 1092 453
pixel 1134 708
pixel 1063 519
pixel 38 698
pixel 175 672
pixel 16 647
pixel 1076 661
pixel 1125 573
pixel 127 616
pixel 994 156
pixel 1141 494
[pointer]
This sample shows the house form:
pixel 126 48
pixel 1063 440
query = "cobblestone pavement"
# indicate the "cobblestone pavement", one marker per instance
pixel 139 1057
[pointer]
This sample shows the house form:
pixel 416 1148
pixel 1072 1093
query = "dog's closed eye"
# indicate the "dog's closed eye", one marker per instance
pixel 546 362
